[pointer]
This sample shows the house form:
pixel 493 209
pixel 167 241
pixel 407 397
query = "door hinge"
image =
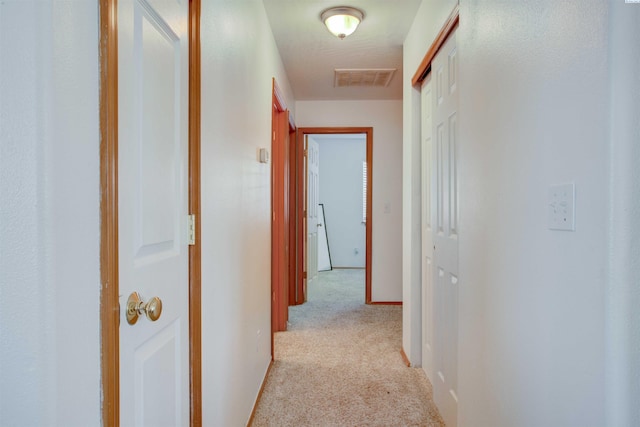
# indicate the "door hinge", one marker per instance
pixel 192 229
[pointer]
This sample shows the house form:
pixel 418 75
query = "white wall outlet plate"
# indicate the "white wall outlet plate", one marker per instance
pixel 561 207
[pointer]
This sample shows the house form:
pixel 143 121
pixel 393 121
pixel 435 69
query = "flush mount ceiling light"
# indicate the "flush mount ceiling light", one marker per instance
pixel 342 21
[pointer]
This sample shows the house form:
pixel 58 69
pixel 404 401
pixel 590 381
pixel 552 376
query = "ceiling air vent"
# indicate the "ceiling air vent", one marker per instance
pixel 363 77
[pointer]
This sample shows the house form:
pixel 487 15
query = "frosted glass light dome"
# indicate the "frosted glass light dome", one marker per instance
pixel 342 21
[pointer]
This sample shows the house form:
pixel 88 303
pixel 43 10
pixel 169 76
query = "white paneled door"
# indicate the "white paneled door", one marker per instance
pixel 153 211
pixel 444 197
pixel 427 228
pixel 313 165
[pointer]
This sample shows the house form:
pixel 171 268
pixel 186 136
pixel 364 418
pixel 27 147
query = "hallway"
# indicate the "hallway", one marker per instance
pixel 548 320
pixel 339 364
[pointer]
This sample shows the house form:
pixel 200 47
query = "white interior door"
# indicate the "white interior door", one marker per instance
pixel 427 229
pixel 444 70
pixel 153 209
pixel 313 162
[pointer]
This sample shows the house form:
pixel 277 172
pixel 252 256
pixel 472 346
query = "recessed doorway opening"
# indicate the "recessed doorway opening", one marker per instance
pixel 349 154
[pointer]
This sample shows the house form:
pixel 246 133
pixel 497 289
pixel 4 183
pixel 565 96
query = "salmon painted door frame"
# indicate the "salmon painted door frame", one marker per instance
pixel 292 211
pixel 301 201
pixel 280 224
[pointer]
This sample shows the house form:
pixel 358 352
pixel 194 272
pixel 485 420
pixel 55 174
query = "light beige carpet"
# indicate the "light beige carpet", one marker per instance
pixel 339 364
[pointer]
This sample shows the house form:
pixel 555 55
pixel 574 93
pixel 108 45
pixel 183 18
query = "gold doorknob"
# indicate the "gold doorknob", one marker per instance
pixel 136 308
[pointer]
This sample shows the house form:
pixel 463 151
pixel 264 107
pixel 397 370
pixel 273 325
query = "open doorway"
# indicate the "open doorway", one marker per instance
pixel 342 200
pixel 306 213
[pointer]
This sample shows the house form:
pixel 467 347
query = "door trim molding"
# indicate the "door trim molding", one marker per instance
pixel 302 131
pixel 109 308
pixel 109 303
pixel 195 251
pixel 448 27
pixel 279 210
pixel 292 211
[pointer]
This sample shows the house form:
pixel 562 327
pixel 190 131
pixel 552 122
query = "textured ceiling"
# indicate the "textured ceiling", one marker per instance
pixel 310 53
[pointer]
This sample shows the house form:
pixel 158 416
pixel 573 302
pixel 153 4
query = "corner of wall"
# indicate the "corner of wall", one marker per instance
pixel 623 294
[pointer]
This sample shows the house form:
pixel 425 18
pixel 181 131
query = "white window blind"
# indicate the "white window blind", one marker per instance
pixel 364 192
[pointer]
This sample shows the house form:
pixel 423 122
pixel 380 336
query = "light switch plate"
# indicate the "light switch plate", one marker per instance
pixel 561 207
pixel 264 155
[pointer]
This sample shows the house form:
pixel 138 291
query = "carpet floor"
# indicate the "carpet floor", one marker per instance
pixel 339 364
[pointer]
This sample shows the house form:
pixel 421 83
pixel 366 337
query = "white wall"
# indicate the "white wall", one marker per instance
pixel 239 58
pixel 535 111
pixel 623 326
pixel 385 118
pixel 532 311
pixel 429 19
pixel 49 215
pixel 341 194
